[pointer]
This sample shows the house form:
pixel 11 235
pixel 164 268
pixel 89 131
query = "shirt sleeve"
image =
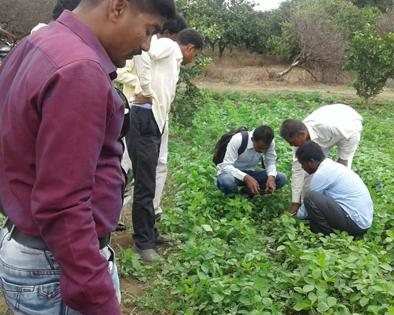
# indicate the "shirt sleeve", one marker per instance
pixel 319 183
pixel 347 147
pixel 143 67
pixel 231 155
pixel 69 141
pixel 297 179
pixel 270 160
pixel 127 75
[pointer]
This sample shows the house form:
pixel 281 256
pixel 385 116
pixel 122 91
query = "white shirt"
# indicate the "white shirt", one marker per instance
pixel 340 183
pixel 158 73
pixel 328 126
pixel 128 77
pixel 37 27
pixel 234 164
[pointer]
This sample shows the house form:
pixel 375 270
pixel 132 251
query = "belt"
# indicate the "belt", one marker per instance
pixel 37 242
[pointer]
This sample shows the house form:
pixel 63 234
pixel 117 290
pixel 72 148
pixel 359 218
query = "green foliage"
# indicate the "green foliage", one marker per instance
pixel 372 57
pixel 240 256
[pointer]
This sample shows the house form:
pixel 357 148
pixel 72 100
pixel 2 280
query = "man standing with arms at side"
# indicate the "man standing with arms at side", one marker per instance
pixel 331 125
pixel 60 177
pixel 148 117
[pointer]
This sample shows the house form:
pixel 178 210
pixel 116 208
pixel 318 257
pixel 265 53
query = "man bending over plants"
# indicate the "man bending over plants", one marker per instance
pixel 331 125
pixel 338 199
pixel 243 153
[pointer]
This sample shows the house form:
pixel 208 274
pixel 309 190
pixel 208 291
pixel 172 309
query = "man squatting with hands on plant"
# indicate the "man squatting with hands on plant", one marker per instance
pixel 148 116
pixel 331 125
pixel 61 182
pixel 239 168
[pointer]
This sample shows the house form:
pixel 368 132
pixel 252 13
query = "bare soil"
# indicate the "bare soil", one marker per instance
pixel 245 87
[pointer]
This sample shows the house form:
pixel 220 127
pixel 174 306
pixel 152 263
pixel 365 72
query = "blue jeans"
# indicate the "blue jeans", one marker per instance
pixel 228 184
pixel 30 279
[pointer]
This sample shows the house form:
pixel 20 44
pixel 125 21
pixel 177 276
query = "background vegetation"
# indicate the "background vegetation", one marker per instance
pixel 240 256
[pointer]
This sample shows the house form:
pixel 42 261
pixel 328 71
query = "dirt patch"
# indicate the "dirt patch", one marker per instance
pixel 245 87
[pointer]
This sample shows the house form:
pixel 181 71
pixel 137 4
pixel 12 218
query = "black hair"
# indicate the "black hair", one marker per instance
pixel 190 36
pixel 165 8
pixel 62 5
pixel 263 133
pixel 310 151
pixel 291 128
pixel 174 25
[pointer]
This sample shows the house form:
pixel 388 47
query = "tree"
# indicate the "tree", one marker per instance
pixel 315 36
pixel 372 57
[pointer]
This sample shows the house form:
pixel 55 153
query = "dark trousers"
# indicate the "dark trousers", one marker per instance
pixel 143 145
pixel 326 215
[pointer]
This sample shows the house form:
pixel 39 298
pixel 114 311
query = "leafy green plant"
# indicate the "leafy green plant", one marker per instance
pixel 240 256
pixel 372 57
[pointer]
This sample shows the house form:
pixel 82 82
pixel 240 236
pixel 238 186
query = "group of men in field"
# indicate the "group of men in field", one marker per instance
pixel 327 193
pixel 63 126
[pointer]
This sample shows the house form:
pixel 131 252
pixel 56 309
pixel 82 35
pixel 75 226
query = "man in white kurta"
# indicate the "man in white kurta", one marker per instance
pixel 331 125
pixel 148 119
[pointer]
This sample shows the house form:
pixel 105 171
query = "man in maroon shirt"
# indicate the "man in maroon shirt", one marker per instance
pixel 61 182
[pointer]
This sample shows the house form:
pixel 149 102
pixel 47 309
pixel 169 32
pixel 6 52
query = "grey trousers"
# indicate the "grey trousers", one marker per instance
pixel 326 215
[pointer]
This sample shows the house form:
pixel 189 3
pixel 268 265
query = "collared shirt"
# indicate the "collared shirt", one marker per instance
pixel 328 126
pixel 158 73
pixel 128 77
pixel 340 183
pixel 235 164
pixel 60 174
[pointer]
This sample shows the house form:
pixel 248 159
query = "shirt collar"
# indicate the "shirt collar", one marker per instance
pixel 69 20
pixel 312 133
pixel 250 142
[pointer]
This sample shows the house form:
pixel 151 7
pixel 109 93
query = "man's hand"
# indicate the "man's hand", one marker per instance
pixel 343 162
pixel 270 186
pixel 293 208
pixel 141 99
pixel 252 184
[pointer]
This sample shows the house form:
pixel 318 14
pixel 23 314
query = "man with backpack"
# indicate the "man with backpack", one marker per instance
pixel 237 155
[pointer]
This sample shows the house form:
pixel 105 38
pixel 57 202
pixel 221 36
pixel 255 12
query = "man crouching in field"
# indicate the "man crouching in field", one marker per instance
pixel 337 197
pixel 239 168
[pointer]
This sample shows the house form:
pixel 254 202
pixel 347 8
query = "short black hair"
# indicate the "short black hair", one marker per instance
pixel 310 151
pixel 190 36
pixel 62 5
pixel 174 25
pixel 291 128
pixel 263 133
pixel 165 8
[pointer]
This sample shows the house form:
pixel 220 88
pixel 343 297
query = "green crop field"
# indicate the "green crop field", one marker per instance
pixel 240 256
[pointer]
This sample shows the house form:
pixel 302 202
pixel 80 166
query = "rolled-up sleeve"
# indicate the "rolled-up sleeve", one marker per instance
pixel 231 155
pixel 143 67
pixel 297 179
pixel 270 160
pixel 69 141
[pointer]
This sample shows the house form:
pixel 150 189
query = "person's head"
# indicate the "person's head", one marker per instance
pixel 191 43
pixel 310 155
pixel 262 138
pixel 294 132
pixel 62 5
pixel 173 26
pixel 125 27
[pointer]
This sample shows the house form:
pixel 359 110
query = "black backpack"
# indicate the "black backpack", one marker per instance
pixel 221 145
